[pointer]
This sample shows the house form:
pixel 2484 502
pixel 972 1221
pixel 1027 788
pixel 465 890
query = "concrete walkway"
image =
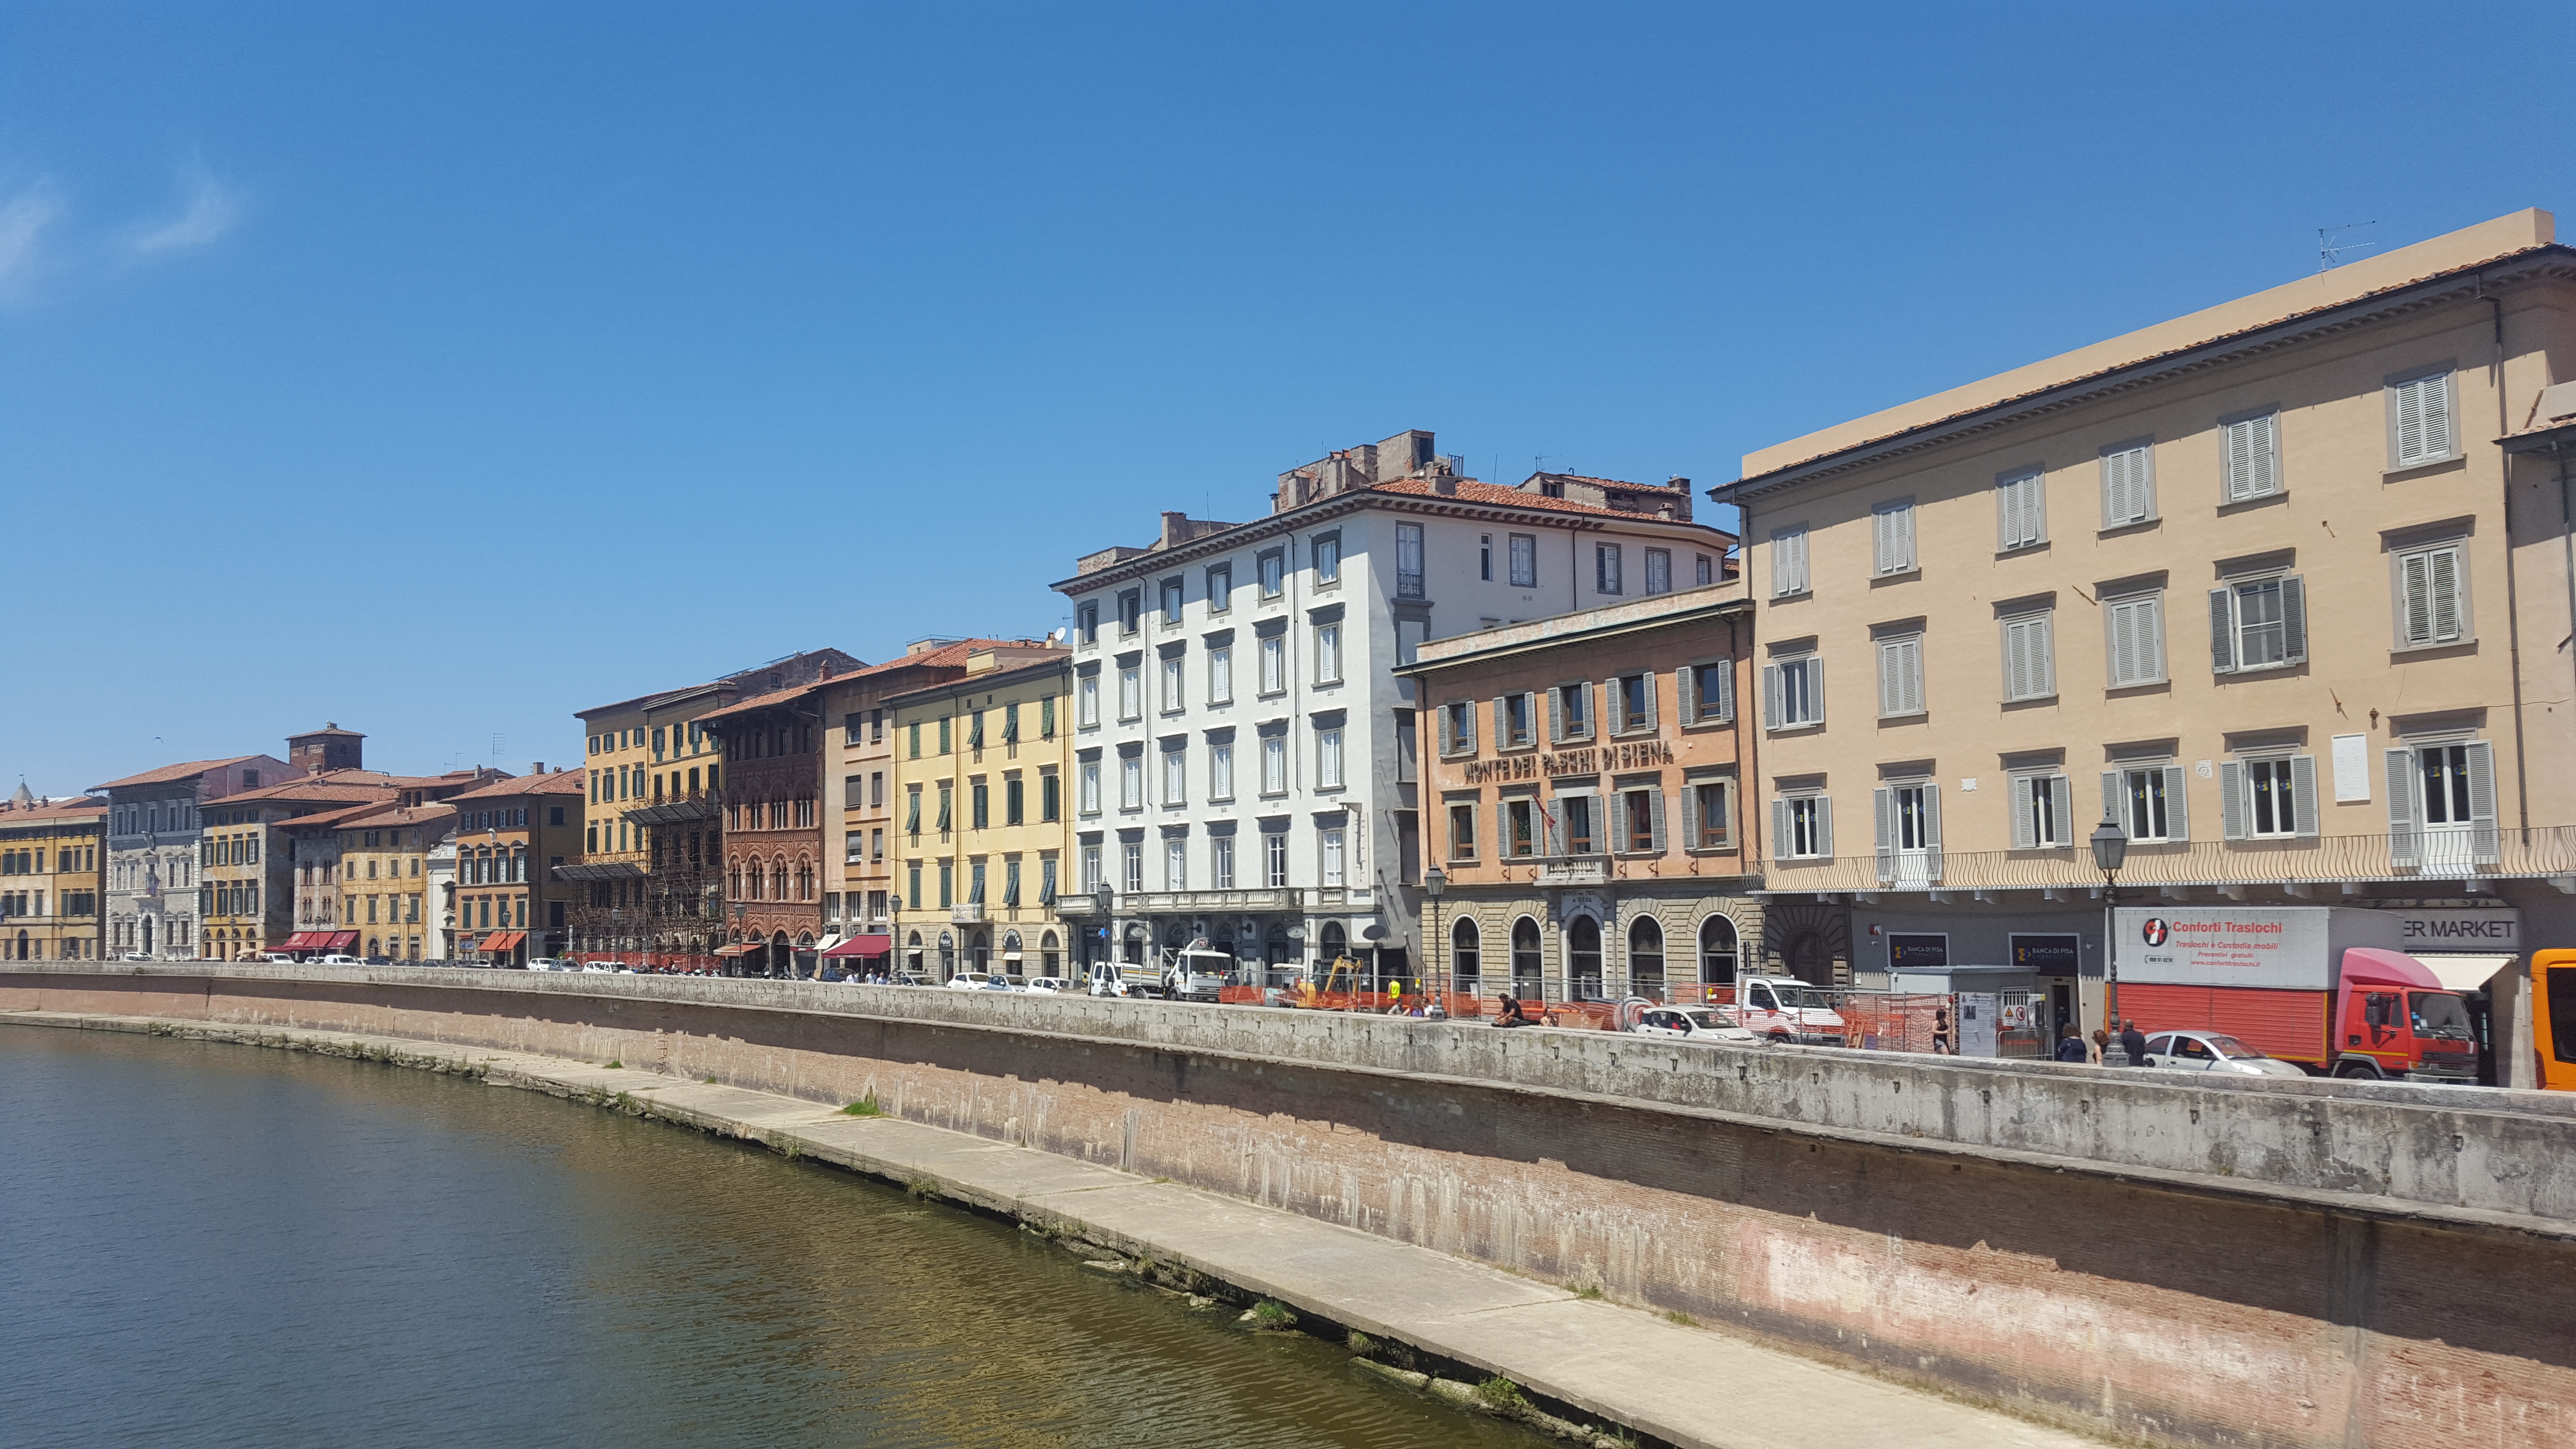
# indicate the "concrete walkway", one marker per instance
pixel 1689 1386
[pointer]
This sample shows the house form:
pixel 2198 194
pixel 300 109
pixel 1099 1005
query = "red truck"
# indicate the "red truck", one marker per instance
pixel 2322 986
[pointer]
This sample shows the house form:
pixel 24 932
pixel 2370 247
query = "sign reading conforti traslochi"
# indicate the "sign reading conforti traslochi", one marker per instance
pixel 1634 755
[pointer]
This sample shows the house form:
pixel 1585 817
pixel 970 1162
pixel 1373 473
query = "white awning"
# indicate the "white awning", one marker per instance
pixel 2464 973
pixel 1010 955
pixel 828 942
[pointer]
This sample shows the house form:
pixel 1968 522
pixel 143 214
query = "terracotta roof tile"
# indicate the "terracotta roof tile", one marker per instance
pixel 168 773
pixel 574 781
pixel 332 818
pixel 1497 495
pixel 1611 482
pixel 394 815
pixel 14 815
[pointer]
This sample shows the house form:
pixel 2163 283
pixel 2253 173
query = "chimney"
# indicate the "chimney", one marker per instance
pixel 1445 484
pixel 537 768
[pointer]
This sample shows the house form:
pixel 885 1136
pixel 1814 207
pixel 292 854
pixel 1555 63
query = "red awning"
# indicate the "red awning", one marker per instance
pixel 863 946
pixel 502 940
pixel 302 941
pixel 738 950
pixel 336 940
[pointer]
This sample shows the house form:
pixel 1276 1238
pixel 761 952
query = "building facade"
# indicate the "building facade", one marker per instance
pixel 386 895
pixel 153 824
pixel 980 836
pixel 2266 586
pixel 507 838
pixel 1584 779
pixel 1242 762
pixel 53 856
pixel 773 828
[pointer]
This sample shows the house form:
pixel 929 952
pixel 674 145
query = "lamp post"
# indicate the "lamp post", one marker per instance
pixel 739 911
pixel 1434 883
pixel 2110 851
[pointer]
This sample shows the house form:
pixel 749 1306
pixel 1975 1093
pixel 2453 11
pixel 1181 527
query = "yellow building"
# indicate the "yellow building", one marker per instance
pixel 51 853
pixel 385 893
pixel 979 831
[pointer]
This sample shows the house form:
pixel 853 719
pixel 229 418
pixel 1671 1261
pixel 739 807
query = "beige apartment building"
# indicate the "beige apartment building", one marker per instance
pixel 2283 587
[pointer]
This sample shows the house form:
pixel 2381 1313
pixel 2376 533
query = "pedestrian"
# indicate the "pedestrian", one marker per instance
pixel 1941 1031
pixel 2134 1042
pixel 2070 1048
pixel 2101 1044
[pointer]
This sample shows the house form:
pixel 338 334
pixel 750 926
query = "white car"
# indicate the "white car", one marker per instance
pixel 550 963
pixel 2214 1051
pixel 1047 986
pixel 1700 1023
pixel 335 959
pixel 977 981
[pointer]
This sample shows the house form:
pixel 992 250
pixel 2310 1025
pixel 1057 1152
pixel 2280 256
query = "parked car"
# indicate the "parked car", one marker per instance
pixel 907 978
pixel 2214 1051
pixel 977 981
pixel 336 959
pixel 1699 1023
pixel 550 963
pixel 1048 986
pixel 1786 1009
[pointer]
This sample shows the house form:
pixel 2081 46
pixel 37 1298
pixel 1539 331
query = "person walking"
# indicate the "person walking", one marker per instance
pixel 2070 1048
pixel 2101 1045
pixel 2134 1042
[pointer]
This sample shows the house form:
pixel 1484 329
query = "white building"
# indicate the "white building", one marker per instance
pixel 1243 764
pixel 153 822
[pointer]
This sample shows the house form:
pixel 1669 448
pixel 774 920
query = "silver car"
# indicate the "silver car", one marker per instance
pixel 2214 1051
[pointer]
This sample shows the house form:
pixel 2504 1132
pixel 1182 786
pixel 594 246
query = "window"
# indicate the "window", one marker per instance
pixel 2432 601
pixel 853 792
pixel 1900 676
pixel 1708 815
pixel 2250 456
pixel 1046 718
pixel 1329 842
pixel 1909 832
pixel 1705 570
pixel 1011 881
pixel 1328 759
pixel 1221 862
pixel 1274 859
pixel 975 883
pixel 1518 835
pixel 1131 606
pixel 1513 726
pixel 2258 624
pixel 1172 684
pixel 1091 869
pixel 947 800
pixel 2030 657
pixel 1793 692
pixel 1086 622
pixel 1328 559
pixel 2128 483
pixel 1632 703
pixel 1485 557
pixel 1010 723
pixel 2149 801
pixel 1408 561
pixel 1088 787
pixel 2419 420
pixel 1131 693
pixel 912 810
pixel 1802 827
pixel 1176 864
pixel 1605 568
pixel 1220 588
pixel 1086 701
pixel 1175 777
pixel 1221 770
pixel 1569 713
pixel 1273 574
pixel 1641 820
pixel 1524 561
pixel 1050 798
pixel 1659 571
pixel 1788 561
pixel 1172 601
pixel 1274 764
pixel 1462 832
pixel 1221 674
pixel 1131 782
pixel 1708 692
pixel 2021 510
pixel 1014 801
pixel 1134 853
pixel 2042 811
pixel 1458 728
pixel 1274 664
pixel 947 884
pixel 2268 798
pixel 2135 650
pixel 2441 805
pixel 1891 531
pixel 1328 653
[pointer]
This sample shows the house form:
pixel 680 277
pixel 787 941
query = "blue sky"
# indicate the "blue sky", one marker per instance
pixel 442 369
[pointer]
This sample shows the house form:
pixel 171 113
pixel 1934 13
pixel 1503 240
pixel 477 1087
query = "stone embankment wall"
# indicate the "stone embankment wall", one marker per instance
pixel 2184 1259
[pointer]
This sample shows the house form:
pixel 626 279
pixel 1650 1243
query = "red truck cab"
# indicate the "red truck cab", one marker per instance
pixel 2394 1019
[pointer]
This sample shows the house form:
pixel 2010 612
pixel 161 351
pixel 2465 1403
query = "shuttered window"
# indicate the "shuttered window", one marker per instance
pixel 1708 815
pixel 2135 648
pixel 2021 510
pixel 1793 692
pixel 1789 560
pixel 2419 420
pixel 2431 608
pixel 1892 531
pixel 2042 811
pixel 1802 827
pixel 2128 484
pixel 2030 657
pixel 1900 676
pixel 2258 624
pixel 2250 457
pixel 2268 798
pixel 1708 692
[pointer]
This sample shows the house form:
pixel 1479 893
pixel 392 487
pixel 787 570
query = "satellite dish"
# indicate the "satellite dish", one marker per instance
pixel 1373 931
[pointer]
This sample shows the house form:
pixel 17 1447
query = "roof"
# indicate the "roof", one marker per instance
pixel 1057 661
pixel 1583 628
pixel 841 662
pixel 1468 490
pixel 330 785
pixel 2518 234
pixel 53 812
pixel 396 815
pixel 1619 483
pixel 574 781
pixel 329 727
pixel 169 773
pixel 332 819
pixel 761 701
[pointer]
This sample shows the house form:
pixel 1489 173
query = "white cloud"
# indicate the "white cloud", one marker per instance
pixel 24 215
pixel 212 206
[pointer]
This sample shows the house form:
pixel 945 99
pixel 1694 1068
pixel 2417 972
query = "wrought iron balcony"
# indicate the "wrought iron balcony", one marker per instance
pixel 2437 855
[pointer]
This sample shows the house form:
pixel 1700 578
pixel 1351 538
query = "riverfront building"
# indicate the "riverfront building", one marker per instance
pixel 53 854
pixel 1584 777
pixel 506 901
pixel 153 821
pixel 773 830
pixel 2277 586
pixel 1242 754
pixel 979 781
pixel 384 879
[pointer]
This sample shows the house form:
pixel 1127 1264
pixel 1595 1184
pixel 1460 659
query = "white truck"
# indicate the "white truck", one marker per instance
pixel 1195 973
pixel 1786 1009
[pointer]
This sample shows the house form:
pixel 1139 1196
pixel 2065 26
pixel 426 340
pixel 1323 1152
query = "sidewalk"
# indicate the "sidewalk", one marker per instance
pixel 1689 1386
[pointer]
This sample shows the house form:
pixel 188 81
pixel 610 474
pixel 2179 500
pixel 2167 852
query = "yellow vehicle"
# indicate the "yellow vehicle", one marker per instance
pixel 2553 1018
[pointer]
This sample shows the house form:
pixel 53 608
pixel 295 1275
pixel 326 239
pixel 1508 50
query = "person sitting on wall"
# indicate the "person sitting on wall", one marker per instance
pixel 1511 1012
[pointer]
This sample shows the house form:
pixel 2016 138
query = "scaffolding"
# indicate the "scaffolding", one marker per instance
pixel 663 906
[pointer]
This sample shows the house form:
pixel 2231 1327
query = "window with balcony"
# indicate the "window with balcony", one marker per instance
pixel 2043 811
pixel 1408 561
pixel 2151 801
pixel 2274 798
pixel 2442 805
pixel 1274 859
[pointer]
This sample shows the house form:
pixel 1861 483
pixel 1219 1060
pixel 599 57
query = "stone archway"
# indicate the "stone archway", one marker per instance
pixel 1798 940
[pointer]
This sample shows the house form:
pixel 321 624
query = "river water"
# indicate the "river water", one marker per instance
pixel 216 1245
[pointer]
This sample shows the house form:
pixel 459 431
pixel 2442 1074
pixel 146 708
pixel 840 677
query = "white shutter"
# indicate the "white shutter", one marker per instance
pixel 1780 842
pixel 2043 651
pixel 2423 422
pixel 1814 665
pixel 2405 818
pixel 2177 803
pixel 1932 832
pixel 2025 815
pixel 1882 537
pixel 1891 690
pixel 2437 415
pixel 2415 598
pixel 1615 703
pixel 2231 799
pixel 2303 795
pixel 1824 825
pixel 1910 662
pixel 2483 843
pixel 1882 804
pixel 1502 722
pixel 1655 811
pixel 1690 816
pixel 1771 696
pixel 1502 830
pixel 1556 716
pixel 2034 509
pixel 2222 631
pixel 2061 797
pixel 2294 620
pixel 1905 537
pixel 2128 487
pixel 2445 582
pixel 1469 743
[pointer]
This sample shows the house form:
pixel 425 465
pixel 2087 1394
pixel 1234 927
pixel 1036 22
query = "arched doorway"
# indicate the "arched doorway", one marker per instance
pixel 1049 957
pixel 805 963
pixel 979 952
pixel 1276 949
pixel 1717 951
pixel 1132 949
pixel 22 946
pixel 781 961
pixel 147 935
pixel 912 953
pixel 1466 956
pixel 1015 959
pixel 1646 958
pixel 1525 957
pixel 1583 959
pixel 1335 944
pixel 1807 959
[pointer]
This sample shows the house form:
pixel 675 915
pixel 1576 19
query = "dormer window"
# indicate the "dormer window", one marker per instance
pixel 1551 488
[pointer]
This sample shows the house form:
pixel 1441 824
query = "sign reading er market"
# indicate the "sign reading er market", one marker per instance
pixel 1635 755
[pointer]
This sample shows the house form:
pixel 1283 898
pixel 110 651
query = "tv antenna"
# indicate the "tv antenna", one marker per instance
pixel 2330 252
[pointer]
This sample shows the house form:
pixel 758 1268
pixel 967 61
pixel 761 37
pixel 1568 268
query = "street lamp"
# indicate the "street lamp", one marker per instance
pixel 1434 883
pixel 2110 851
pixel 739 911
